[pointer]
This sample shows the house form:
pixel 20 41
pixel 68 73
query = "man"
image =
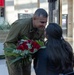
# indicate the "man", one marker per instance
pixel 33 28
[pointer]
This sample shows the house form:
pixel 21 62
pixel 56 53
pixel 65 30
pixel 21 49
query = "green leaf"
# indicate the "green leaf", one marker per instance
pixel 8 49
pixel 41 43
pixel 13 61
pixel 25 38
pixel 11 54
pixel 17 51
pixel 13 46
pixel 24 53
pixel 43 47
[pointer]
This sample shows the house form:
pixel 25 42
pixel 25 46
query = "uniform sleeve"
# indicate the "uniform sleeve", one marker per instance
pixel 14 33
pixel 41 65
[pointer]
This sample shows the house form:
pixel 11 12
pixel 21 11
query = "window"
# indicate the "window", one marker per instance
pixel 22 15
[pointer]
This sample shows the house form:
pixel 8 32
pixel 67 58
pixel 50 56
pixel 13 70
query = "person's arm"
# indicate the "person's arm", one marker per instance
pixel 41 64
pixel 14 33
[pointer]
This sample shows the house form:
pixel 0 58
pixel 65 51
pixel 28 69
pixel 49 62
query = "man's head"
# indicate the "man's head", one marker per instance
pixel 40 19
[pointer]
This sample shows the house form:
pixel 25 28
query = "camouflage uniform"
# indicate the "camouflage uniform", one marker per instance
pixel 19 29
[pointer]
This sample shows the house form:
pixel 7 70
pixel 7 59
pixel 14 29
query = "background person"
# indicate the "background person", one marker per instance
pixel 33 28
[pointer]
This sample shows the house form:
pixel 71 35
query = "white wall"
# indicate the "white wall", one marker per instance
pixel 10 13
pixel 13 7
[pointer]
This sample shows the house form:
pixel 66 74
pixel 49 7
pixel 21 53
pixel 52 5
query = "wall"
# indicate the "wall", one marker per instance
pixel 13 7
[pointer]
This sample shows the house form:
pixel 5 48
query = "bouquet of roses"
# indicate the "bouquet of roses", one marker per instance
pixel 24 50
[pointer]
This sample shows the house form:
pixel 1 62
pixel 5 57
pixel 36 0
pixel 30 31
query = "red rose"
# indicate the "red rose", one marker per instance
pixel 35 45
pixel 23 46
pixel 32 50
pixel 20 47
pixel 29 41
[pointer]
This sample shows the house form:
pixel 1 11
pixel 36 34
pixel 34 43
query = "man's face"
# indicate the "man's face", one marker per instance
pixel 40 22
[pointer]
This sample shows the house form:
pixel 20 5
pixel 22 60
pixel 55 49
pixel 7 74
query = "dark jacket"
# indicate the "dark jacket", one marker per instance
pixel 43 65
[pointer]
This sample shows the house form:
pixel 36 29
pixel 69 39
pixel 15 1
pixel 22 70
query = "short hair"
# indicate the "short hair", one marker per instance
pixel 41 12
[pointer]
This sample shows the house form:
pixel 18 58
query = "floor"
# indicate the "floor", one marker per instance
pixel 4 71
